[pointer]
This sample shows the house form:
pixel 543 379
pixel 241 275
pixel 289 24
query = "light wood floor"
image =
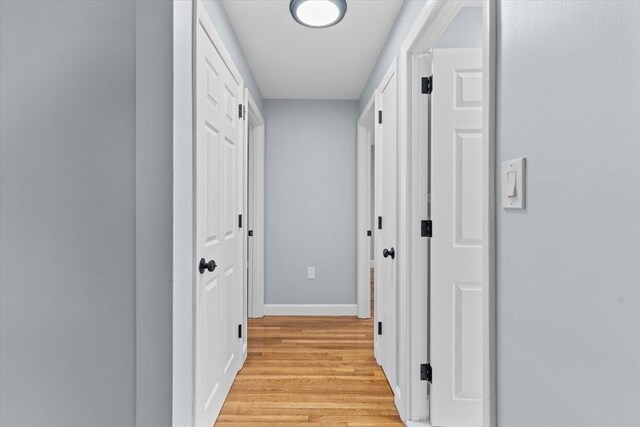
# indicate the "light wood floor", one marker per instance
pixel 310 370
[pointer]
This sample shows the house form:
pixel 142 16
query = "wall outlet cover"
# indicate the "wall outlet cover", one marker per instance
pixel 311 273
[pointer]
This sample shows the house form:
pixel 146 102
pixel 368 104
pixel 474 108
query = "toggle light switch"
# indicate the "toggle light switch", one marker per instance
pixel 511 184
pixel 513 174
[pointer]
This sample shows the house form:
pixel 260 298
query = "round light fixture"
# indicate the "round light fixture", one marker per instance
pixel 318 13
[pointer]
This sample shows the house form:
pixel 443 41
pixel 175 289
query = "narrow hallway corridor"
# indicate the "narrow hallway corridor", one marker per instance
pixel 310 371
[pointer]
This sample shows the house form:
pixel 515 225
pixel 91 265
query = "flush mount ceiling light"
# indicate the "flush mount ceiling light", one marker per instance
pixel 318 13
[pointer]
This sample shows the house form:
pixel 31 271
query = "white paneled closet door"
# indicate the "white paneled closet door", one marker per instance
pixel 219 275
pixel 456 246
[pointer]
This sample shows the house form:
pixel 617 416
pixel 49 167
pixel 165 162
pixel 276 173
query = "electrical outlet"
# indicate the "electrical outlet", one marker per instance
pixel 311 273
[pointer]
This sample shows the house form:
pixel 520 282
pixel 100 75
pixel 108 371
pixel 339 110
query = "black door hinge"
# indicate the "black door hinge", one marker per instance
pixel 240 110
pixel 379 223
pixel 427 85
pixel 239 331
pixel 368 233
pixel 426 228
pixel 426 373
pixel 250 233
pixel 379 328
pixel 379 116
pixel 240 221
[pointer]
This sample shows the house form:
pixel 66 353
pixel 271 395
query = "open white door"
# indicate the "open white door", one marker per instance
pixel 456 247
pixel 385 227
pixel 219 163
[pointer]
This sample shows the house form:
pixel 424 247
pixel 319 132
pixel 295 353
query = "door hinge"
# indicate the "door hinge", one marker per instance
pixel 369 233
pixel 250 233
pixel 379 328
pixel 426 373
pixel 426 228
pixel 427 85
pixel 241 111
pixel 239 331
pixel 379 223
pixel 240 221
pixel 379 116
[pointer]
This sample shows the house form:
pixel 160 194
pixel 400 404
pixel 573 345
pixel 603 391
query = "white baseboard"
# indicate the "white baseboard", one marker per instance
pixel 310 309
pixel 397 400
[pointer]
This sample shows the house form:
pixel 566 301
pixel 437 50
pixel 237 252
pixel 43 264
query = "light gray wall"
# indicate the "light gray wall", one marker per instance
pixel 154 205
pixel 404 22
pixel 221 22
pixel 464 31
pixel 569 265
pixel 67 213
pixel 310 201
pixel 85 199
pixel 183 257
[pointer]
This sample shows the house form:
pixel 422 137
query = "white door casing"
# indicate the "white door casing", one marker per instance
pixel 255 213
pixel 419 304
pixel 456 323
pixel 250 221
pixel 365 209
pixel 218 204
pixel 386 206
pixel 244 225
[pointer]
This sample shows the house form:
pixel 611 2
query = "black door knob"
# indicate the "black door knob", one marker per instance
pixel 389 253
pixel 204 265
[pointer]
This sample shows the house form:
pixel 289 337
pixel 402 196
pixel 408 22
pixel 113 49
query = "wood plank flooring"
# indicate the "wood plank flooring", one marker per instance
pixel 310 371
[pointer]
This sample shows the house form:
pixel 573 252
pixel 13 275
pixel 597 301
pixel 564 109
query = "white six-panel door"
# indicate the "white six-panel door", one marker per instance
pixel 386 208
pixel 218 163
pixel 456 247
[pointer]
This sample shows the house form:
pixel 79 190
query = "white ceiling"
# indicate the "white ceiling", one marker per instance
pixel 290 61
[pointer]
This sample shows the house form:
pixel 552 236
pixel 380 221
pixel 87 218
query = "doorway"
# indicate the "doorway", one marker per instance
pixel 448 130
pixel 366 154
pixel 377 221
pixel 400 361
pixel 255 208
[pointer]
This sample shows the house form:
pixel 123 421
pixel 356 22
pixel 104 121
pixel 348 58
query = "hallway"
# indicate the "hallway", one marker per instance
pixel 310 370
pixel 197 196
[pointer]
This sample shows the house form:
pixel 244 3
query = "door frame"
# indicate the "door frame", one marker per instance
pixel 366 132
pixel 431 23
pixel 255 137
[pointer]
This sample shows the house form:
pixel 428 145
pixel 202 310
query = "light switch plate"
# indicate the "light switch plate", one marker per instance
pixel 311 272
pixel 513 183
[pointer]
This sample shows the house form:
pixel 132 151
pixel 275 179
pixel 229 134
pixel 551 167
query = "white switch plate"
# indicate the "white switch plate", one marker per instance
pixel 513 183
pixel 311 272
